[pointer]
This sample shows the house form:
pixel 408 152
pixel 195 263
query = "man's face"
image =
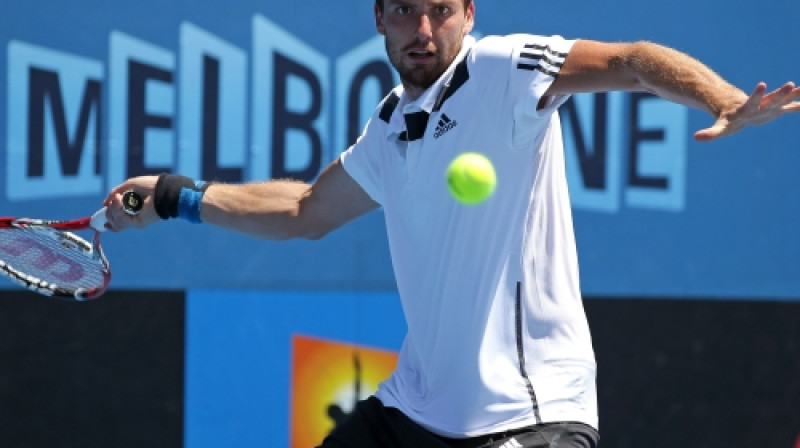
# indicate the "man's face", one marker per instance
pixel 423 37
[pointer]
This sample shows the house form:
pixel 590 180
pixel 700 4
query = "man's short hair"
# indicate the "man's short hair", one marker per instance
pixel 379 3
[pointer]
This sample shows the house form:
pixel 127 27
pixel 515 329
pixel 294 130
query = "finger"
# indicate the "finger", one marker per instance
pixel 704 135
pixel 757 95
pixel 720 128
pixel 114 206
pixel 791 107
pixel 785 98
pixel 792 95
pixel 779 97
pixel 107 200
pixel 122 220
pixel 708 134
pixel 116 191
pixel 108 224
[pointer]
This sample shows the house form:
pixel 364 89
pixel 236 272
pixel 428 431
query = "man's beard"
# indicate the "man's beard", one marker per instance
pixel 420 77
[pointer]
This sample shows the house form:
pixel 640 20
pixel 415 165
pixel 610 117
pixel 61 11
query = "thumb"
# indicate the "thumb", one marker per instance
pixel 720 128
pixel 708 134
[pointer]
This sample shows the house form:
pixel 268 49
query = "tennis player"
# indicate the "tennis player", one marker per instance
pixel 498 351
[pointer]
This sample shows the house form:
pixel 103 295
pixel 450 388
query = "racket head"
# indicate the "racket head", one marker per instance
pixel 48 258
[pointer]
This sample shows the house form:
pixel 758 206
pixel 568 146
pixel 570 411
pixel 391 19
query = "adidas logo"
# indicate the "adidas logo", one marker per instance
pixel 445 124
pixel 511 443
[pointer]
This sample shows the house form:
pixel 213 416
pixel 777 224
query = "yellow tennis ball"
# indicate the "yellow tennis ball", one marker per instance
pixel 471 178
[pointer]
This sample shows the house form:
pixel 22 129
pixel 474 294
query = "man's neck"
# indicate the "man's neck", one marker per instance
pixel 413 92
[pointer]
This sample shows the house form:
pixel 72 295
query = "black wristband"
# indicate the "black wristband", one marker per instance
pixel 168 192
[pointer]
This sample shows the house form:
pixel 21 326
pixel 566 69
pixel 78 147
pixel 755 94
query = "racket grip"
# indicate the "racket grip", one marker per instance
pixel 131 203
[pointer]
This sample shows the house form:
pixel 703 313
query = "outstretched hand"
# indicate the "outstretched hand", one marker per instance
pixel 761 107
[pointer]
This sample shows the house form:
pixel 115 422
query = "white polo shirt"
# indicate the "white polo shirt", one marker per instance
pixel 497 335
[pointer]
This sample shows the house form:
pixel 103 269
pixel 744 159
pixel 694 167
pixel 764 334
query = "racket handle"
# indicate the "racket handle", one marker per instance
pixel 131 203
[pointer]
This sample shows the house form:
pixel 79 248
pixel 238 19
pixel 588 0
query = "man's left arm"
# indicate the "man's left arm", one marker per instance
pixel 593 66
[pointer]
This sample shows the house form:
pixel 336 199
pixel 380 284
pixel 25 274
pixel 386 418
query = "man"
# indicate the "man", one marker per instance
pixel 498 351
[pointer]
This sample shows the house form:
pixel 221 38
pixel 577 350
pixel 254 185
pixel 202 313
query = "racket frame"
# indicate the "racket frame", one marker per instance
pixel 64 230
pixel 132 205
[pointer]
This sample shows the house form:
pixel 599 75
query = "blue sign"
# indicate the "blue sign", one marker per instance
pixel 252 90
pixel 238 355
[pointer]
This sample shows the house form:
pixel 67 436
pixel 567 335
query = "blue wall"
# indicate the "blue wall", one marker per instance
pixel 238 356
pixel 717 222
pixel 94 92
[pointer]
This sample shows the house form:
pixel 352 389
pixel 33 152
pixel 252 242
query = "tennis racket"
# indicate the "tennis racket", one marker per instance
pixel 48 258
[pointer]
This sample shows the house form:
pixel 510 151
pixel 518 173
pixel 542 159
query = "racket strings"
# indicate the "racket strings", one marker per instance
pixel 37 255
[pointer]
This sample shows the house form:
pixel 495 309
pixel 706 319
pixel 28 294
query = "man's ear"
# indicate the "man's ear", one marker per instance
pixel 470 23
pixel 379 20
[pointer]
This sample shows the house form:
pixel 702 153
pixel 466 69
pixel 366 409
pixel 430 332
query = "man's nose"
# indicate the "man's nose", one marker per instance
pixel 424 28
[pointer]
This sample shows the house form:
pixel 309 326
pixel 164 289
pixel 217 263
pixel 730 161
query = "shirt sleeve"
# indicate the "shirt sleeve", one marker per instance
pixel 535 64
pixel 361 160
pixel 530 64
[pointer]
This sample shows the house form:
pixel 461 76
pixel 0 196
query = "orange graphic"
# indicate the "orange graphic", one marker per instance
pixel 328 377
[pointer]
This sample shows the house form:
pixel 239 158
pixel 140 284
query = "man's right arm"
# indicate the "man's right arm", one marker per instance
pixel 276 209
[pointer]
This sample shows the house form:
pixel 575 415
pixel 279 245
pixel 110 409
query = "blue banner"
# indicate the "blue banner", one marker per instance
pixel 244 376
pixel 241 91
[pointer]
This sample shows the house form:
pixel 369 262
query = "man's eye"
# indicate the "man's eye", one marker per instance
pixel 443 10
pixel 403 10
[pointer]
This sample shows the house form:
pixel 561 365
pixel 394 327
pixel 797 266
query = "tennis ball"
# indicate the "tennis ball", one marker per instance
pixel 471 178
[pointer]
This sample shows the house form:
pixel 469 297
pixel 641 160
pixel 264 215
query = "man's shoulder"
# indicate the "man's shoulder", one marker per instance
pixel 524 51
pixel 505 43
pixel 496 48
pixel 489 56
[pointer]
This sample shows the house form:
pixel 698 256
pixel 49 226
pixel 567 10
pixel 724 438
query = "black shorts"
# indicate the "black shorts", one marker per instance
pixel 373 425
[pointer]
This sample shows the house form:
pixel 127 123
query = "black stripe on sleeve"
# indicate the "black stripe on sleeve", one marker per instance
pixel 537 68
pixel 546 49
pixel 542 58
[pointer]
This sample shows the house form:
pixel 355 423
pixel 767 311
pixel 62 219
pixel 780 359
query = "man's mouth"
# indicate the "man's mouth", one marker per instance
pixel 419 54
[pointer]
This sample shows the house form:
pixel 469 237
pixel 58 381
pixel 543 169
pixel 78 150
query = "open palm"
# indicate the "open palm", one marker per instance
pixel 761 107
